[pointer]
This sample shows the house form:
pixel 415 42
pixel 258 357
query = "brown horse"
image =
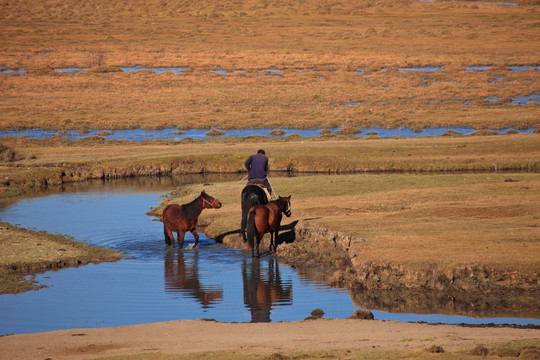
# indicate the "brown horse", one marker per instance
pixel 266 218
pixel 183 218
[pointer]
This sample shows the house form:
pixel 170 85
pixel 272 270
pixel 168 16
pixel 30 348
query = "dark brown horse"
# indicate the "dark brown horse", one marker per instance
pixel 266 218
pixel 183 218
pixel 253 194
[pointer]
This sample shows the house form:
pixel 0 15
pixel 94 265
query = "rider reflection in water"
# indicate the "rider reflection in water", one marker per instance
pixel 257 167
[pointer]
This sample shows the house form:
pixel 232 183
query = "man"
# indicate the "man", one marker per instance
pixel 257 167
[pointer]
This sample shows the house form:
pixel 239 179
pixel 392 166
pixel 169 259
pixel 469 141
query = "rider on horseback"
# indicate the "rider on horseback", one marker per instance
pixel 257 167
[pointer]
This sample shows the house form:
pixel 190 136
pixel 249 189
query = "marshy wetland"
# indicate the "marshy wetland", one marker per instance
pixel 247 64
pixel 394 217
pixel 156 283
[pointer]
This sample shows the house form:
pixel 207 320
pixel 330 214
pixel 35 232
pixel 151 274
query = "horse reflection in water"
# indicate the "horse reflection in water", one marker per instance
pixel 182 276
pixel 263 288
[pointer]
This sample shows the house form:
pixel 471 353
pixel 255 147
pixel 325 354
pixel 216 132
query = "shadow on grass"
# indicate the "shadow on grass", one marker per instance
pixel 286 234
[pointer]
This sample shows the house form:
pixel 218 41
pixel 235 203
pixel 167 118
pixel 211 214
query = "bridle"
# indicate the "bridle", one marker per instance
pixel 208 202
pixel 288 209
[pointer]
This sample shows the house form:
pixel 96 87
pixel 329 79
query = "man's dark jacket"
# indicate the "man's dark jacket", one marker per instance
pixel 257 166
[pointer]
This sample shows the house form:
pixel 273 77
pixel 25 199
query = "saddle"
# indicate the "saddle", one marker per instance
pixel 262 186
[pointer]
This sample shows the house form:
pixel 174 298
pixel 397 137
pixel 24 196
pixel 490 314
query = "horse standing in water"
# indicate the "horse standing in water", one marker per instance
pixel 183 218
pixel 263 218
pixel 251 195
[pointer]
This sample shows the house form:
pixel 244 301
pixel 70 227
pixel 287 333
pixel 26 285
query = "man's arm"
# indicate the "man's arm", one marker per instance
pixel 247 164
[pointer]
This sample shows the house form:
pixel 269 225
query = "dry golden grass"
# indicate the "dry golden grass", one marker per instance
pixel 333 38
pixel 414 220
pixel 491 153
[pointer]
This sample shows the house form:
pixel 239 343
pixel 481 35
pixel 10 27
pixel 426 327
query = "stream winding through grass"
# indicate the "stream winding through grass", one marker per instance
pixel 155 283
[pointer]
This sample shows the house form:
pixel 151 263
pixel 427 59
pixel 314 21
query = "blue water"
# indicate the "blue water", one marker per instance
pixel 157 283
pixel 422 68
pixel 179 70
pixel 154 282
pixel 170 133
pixel 157 70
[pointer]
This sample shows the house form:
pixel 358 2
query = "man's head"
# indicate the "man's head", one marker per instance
pixel 261 151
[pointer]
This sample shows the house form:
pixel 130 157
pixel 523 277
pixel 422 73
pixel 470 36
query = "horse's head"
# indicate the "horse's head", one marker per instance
pixel 209 202
pixel 286 207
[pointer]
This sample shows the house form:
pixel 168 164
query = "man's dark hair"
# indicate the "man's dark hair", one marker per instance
pixel 260 151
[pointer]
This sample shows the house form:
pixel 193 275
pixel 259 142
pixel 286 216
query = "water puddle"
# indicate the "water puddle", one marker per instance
pixel 221 71
pixel 478 68
pixel 157 70
pixel 69 70
pixel 4 70
pixel 422 68
pixel 518 100
pixel 523 68
pixel 504 3
pixel 157 283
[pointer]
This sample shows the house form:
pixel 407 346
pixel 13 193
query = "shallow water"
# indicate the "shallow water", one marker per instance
pixel 179 70
pixel 158 283
pixel 175 134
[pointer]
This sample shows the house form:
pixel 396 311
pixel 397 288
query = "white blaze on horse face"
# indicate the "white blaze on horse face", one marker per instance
pixel 288 209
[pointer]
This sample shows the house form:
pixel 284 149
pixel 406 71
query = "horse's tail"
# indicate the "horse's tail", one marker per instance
pixel 167 238
pixel 243 224
pixel 251 230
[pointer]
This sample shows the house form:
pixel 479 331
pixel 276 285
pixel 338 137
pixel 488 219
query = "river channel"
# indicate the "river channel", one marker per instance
pixel 156 283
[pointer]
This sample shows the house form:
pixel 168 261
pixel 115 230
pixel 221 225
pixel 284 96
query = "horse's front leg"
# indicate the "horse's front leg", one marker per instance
pixel 276 239
pixel 196 236
pixel 180 240
pixel 271 240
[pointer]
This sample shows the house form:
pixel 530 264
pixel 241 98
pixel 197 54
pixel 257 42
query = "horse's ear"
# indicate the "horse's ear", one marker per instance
pixel 280 197
pixel 203 192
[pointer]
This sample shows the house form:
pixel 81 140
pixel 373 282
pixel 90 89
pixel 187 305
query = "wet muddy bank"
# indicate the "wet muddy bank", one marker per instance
pixel 340 256
pixel 20 180
pixel 464 289
pixel 320 254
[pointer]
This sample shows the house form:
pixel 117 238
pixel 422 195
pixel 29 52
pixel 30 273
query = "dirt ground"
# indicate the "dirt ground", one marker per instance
pixel 193 336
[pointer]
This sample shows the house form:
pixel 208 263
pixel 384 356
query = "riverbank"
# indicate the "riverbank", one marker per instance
pixel 38 163
pixel 315 339
pixel 25 252
pixel 399 232
pixel 392 212
pixel 408 218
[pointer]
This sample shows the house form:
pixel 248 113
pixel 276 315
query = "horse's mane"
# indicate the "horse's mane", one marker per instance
pixel 191 209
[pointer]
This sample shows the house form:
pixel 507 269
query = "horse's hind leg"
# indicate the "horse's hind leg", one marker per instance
pixel 169 237
pixel 259 238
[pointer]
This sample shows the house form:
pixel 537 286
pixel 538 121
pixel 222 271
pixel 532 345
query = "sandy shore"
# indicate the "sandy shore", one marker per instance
pixel 191 336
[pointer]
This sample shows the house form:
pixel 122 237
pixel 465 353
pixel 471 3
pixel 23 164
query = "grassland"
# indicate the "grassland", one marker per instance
pixel 318 47
pixel 418 222
pixel 442 203
pixel 428 191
